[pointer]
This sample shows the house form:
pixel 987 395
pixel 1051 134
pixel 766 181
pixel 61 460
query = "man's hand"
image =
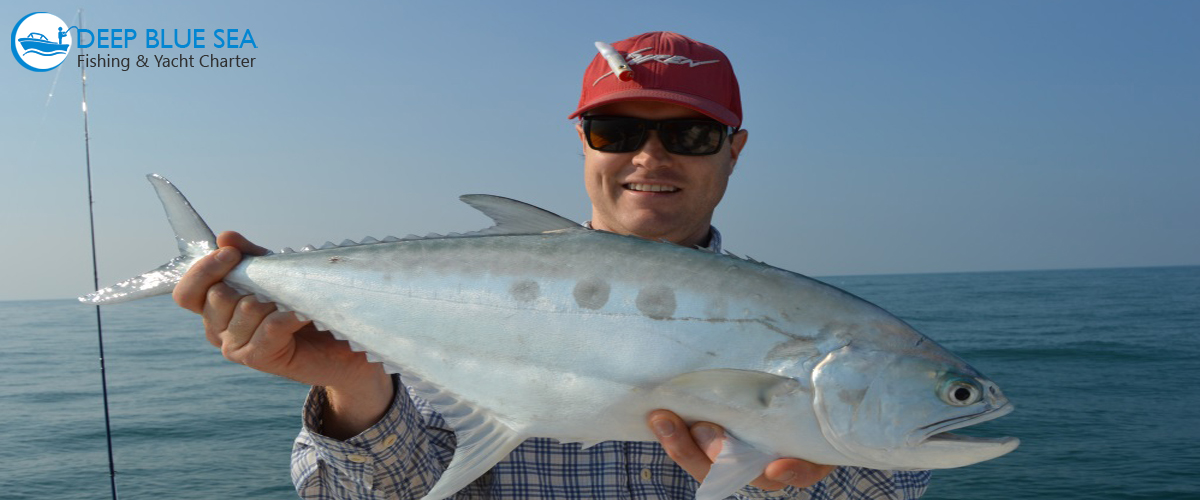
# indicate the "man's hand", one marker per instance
pixel 260 336
pixel 696 448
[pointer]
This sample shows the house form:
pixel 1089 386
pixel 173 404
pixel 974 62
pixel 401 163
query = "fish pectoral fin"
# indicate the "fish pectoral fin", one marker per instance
pixel 516 217
pixel 479 448
pixel 736 466
pixel 744 388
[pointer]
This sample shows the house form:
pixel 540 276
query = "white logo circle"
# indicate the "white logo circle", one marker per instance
pixel 41 41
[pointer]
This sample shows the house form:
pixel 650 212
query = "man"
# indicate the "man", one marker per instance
pixel 658 153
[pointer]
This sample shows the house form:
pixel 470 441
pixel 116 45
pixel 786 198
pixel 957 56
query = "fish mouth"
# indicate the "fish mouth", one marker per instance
pixel 938 434
pixel 943 427
pixel 938 448
pixel 949 438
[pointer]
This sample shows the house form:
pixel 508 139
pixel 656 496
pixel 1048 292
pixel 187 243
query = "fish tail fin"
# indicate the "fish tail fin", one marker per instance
pixel 193 236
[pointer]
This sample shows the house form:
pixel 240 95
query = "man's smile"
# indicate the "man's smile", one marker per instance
pixel 650 188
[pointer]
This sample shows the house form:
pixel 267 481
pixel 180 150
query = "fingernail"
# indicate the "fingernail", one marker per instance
pixel 704 434
pixel 224 255
pixel 664 427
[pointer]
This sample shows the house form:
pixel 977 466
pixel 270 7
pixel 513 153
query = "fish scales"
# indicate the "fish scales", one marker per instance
pixel 538 327
pixel 459 308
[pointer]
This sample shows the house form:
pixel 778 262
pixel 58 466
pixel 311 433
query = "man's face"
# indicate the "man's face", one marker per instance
pixel 652 193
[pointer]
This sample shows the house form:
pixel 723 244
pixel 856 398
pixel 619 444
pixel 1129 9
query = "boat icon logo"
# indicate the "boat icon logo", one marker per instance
pixel 41 41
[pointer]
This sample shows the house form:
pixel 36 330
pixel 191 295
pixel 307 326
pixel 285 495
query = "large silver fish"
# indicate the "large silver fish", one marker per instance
pixel 537 327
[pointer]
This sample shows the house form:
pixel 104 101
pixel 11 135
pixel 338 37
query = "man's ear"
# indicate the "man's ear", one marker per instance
pixel 736 143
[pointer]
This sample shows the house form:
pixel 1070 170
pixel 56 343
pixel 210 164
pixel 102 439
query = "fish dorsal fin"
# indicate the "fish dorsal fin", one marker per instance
pixel 516 217
pixel 747 389
pixel 736 465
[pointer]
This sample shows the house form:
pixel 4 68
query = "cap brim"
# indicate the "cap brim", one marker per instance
pixel 705 106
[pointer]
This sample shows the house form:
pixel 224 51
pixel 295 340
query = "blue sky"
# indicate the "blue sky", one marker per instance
pixel 885 137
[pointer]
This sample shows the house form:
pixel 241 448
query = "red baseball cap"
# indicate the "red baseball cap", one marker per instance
pixel 667 67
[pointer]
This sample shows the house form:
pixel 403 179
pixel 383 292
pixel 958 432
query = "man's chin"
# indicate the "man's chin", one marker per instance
pixel 657 227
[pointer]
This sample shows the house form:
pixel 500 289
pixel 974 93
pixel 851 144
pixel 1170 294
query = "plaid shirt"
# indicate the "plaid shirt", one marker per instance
pixel 402 456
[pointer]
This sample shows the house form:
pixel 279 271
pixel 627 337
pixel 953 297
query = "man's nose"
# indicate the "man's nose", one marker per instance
pixel 652 154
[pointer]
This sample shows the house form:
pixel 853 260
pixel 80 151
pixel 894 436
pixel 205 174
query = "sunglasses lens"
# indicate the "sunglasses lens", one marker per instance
pixel 691 137
pixel 615 135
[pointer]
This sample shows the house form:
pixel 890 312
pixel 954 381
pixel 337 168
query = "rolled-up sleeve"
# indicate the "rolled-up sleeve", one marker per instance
pixel 853 483
pixel 397 458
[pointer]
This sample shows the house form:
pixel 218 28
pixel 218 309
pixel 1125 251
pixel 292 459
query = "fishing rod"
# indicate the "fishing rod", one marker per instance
pixel 87 154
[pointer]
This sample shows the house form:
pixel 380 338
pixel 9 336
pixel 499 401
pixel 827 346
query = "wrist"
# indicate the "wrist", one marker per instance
pixel 351 409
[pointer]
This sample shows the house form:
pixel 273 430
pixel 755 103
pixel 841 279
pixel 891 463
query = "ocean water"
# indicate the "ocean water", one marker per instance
pixel 1101 364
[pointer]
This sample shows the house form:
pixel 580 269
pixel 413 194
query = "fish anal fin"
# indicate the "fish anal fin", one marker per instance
pixel 516 217
pixel 736 466
pixel 583 443
pixel 483 440
pixel 743 388
pixel 479 448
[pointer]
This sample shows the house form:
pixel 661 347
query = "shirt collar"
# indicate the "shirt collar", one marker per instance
pixel 714 238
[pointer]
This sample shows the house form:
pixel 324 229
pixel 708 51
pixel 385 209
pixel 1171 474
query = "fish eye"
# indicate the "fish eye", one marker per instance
pixel 959 392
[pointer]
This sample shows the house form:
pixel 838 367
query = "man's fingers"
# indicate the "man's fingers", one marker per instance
pixel 794 472
pixel 192 289
pixel 709 438
pixel 677 441
pixel 778 474
pixel 274 342
pixel 220 301
pixel 236 240
pixel 248 315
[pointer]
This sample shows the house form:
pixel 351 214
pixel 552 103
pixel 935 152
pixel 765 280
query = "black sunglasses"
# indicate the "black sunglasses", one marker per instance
pixel 681 136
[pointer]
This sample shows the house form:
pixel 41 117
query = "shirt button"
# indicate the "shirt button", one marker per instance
pixel 646 475
pixel 389 441
pixel 358 459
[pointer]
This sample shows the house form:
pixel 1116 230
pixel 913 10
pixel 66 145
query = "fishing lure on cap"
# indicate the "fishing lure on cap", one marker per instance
pixel 615 61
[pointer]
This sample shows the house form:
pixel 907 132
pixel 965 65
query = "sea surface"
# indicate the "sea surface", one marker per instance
pixel 1103 366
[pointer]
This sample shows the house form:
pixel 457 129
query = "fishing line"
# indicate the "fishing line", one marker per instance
pixel 87 153
pixel 53 85
pixel 37 136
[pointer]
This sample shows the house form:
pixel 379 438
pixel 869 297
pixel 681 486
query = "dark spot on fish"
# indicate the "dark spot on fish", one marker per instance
pixel 335 259
pixel 710 353
pixel 656 301
pixel 592 293
pixel 525 290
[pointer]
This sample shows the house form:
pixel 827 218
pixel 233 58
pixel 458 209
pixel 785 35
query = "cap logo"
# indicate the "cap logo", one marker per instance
pixel 637 57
